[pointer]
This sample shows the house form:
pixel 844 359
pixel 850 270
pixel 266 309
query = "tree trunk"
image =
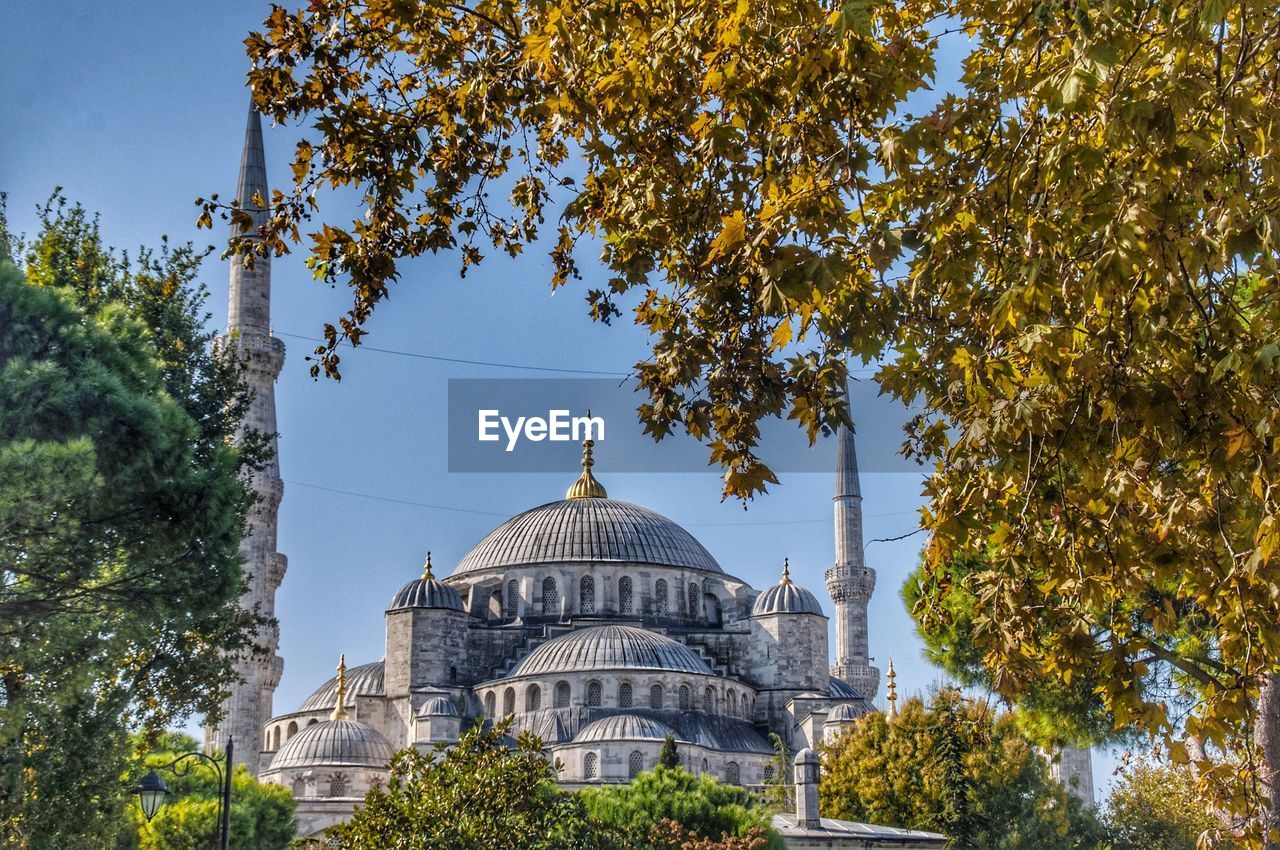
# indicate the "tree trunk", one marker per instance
pixel 1267 738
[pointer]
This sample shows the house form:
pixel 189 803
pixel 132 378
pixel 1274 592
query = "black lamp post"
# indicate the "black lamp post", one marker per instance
pixel 152 791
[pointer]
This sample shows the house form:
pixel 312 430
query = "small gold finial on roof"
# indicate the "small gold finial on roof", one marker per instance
pixel 340 706
pixel 587 487
pixel 426 570
pixel 786 571
pixel 892 694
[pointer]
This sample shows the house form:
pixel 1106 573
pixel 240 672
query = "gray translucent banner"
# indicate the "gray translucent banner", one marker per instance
pixel 538 424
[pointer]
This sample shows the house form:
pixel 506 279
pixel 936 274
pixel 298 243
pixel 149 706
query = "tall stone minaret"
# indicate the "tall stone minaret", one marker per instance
pixel 851 582
pixel 249 337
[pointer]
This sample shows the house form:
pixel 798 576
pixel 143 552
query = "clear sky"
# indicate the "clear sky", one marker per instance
pixel 137 108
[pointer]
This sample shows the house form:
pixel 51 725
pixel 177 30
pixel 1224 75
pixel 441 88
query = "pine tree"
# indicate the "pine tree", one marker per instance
pixel 669 756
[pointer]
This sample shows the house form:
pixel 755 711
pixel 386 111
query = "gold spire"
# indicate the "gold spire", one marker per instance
pixel 340 707
pixel 892 694
pixel 786 571
pixel 587 487
pixel 426 570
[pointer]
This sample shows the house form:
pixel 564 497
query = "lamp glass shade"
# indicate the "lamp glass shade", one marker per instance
pixel 151 792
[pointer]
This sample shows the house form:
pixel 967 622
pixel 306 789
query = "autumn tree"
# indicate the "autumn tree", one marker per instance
pixel 955 766
pixel 1069 262
pixel 1154 805
pixel 121 512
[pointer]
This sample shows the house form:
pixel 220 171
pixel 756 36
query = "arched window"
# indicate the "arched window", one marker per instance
pixel 512 606
pixel 709 701
pixel 655 696
pixel 312 722
pixel 338 785
pixel 587 595
pixel 292 730
pixel 732 773
pixel 767 775
pixel 299 787
pixel 624 695
pixel 626 600
pixel 635 763
pixel 533 698
pixel 550 604
pixel 275 739
pixel 660 605
pixel 489 703
pixel 733 703
pixel 589 763
pixel 694 597
pixel 562 694
pixel 508 701
pixel 704 765
pixel 594 693
pixel 686 698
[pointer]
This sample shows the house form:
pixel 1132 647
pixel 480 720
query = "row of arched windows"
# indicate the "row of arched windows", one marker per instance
pixel 339 786
pixel 276 737
pixel 636 765
pixel 626 698
pixel 550 603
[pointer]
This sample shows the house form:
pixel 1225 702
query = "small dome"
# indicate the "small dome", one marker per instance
pixel 592 530
pixel 334 742
pixel 364 680
pixel 623 727
pixel 840 689
pixel 842 713
pixel 426 593
pixel 786 598
pixel 610 648
pixel 438 707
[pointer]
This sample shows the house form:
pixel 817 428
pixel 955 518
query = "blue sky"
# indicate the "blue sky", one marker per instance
pixel 136 109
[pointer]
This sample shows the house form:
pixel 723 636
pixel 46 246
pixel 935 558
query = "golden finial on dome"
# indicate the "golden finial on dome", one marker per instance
pixel 786 571
pixel 340 705
pixel 587 487
pixel 426 570
pixel 892 694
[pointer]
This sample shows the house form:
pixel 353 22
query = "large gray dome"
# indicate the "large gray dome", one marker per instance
pixel 610 648
pixel 592 530
pixel 364 680
pixel 334 742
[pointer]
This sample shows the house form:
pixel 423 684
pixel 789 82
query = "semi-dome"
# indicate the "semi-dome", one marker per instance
pixel 623 727
pixel 344 742
pixel 610 648
pixel 590 530
pixel 786 597
pixel 438 707
pixel 363 680
pixel 426 592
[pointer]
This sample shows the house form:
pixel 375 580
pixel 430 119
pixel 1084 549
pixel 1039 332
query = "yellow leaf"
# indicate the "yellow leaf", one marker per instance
pixel 733 230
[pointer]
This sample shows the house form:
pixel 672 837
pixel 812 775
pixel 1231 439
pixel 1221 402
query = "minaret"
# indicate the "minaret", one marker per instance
pixel 851 582
pixel 249 337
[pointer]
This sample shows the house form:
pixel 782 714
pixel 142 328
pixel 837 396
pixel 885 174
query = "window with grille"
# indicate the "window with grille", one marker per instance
pixel 732 773
pixel 587 595
pixel 513 599
pixel 562 695
pixel 694 597
pixel 338 785
pixel 660 604
pixel 509 702
pixel 590 766
pixel 709 701
pixel 299 787
pixel 768 773
pixel 626 604
pixel 686 698
pixel 635 764
pixel 593 694
pixel 549 602
pixel 533 698
pixel 624 695
pixel 655 696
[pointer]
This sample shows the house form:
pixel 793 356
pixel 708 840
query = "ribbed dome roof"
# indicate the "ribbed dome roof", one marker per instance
pixel 786 598
pixel 588 529
pixel 364 680
pixel 426 593
pixel 334 742
pixel 438 707
pixel 840 689
pixel 610 648
pixel 843 713
pixel 622 727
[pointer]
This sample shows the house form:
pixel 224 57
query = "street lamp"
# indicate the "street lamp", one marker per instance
pixel 152 791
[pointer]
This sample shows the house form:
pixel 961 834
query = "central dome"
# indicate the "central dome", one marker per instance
pixel 610 648
pixel 590 530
